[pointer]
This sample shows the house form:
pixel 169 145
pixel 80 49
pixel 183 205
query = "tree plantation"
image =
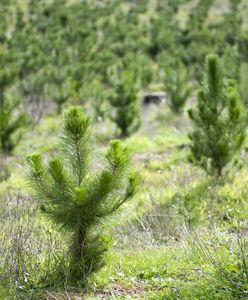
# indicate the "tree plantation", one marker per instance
pixel 123 149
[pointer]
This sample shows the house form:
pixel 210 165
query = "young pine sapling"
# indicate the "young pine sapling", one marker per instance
pixel 178 88
pixel 76 200
pixel 10 123
pixel 125 101
pixel 219 126
pixel 10 119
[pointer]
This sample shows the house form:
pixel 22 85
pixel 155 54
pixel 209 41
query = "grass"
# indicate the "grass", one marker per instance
pixel 183 236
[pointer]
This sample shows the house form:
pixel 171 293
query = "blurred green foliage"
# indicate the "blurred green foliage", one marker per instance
pixel 57 47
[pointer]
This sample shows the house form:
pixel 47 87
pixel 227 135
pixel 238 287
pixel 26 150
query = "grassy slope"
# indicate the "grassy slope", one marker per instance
pixel 151 257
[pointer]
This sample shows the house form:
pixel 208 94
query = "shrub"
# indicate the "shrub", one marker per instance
pixel 219 127
pixel 77 202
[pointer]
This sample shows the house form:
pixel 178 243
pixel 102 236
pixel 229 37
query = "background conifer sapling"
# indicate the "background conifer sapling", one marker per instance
pixel 219 127
pixel 10 122
pixel 125 101
pixel 76 200
pixel 10 119
pixel 177 87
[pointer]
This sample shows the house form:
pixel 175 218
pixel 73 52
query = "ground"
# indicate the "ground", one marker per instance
pixel 183 235
pixel 158 238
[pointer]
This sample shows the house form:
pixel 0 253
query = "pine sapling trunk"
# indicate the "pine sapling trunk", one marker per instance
pixel 124 133
pixel 1 97
pixel 59 108
pixel 219 171
pixel 80 243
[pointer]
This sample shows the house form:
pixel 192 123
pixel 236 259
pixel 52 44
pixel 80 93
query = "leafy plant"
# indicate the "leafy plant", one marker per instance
pixel 76 201
pixel 219 127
